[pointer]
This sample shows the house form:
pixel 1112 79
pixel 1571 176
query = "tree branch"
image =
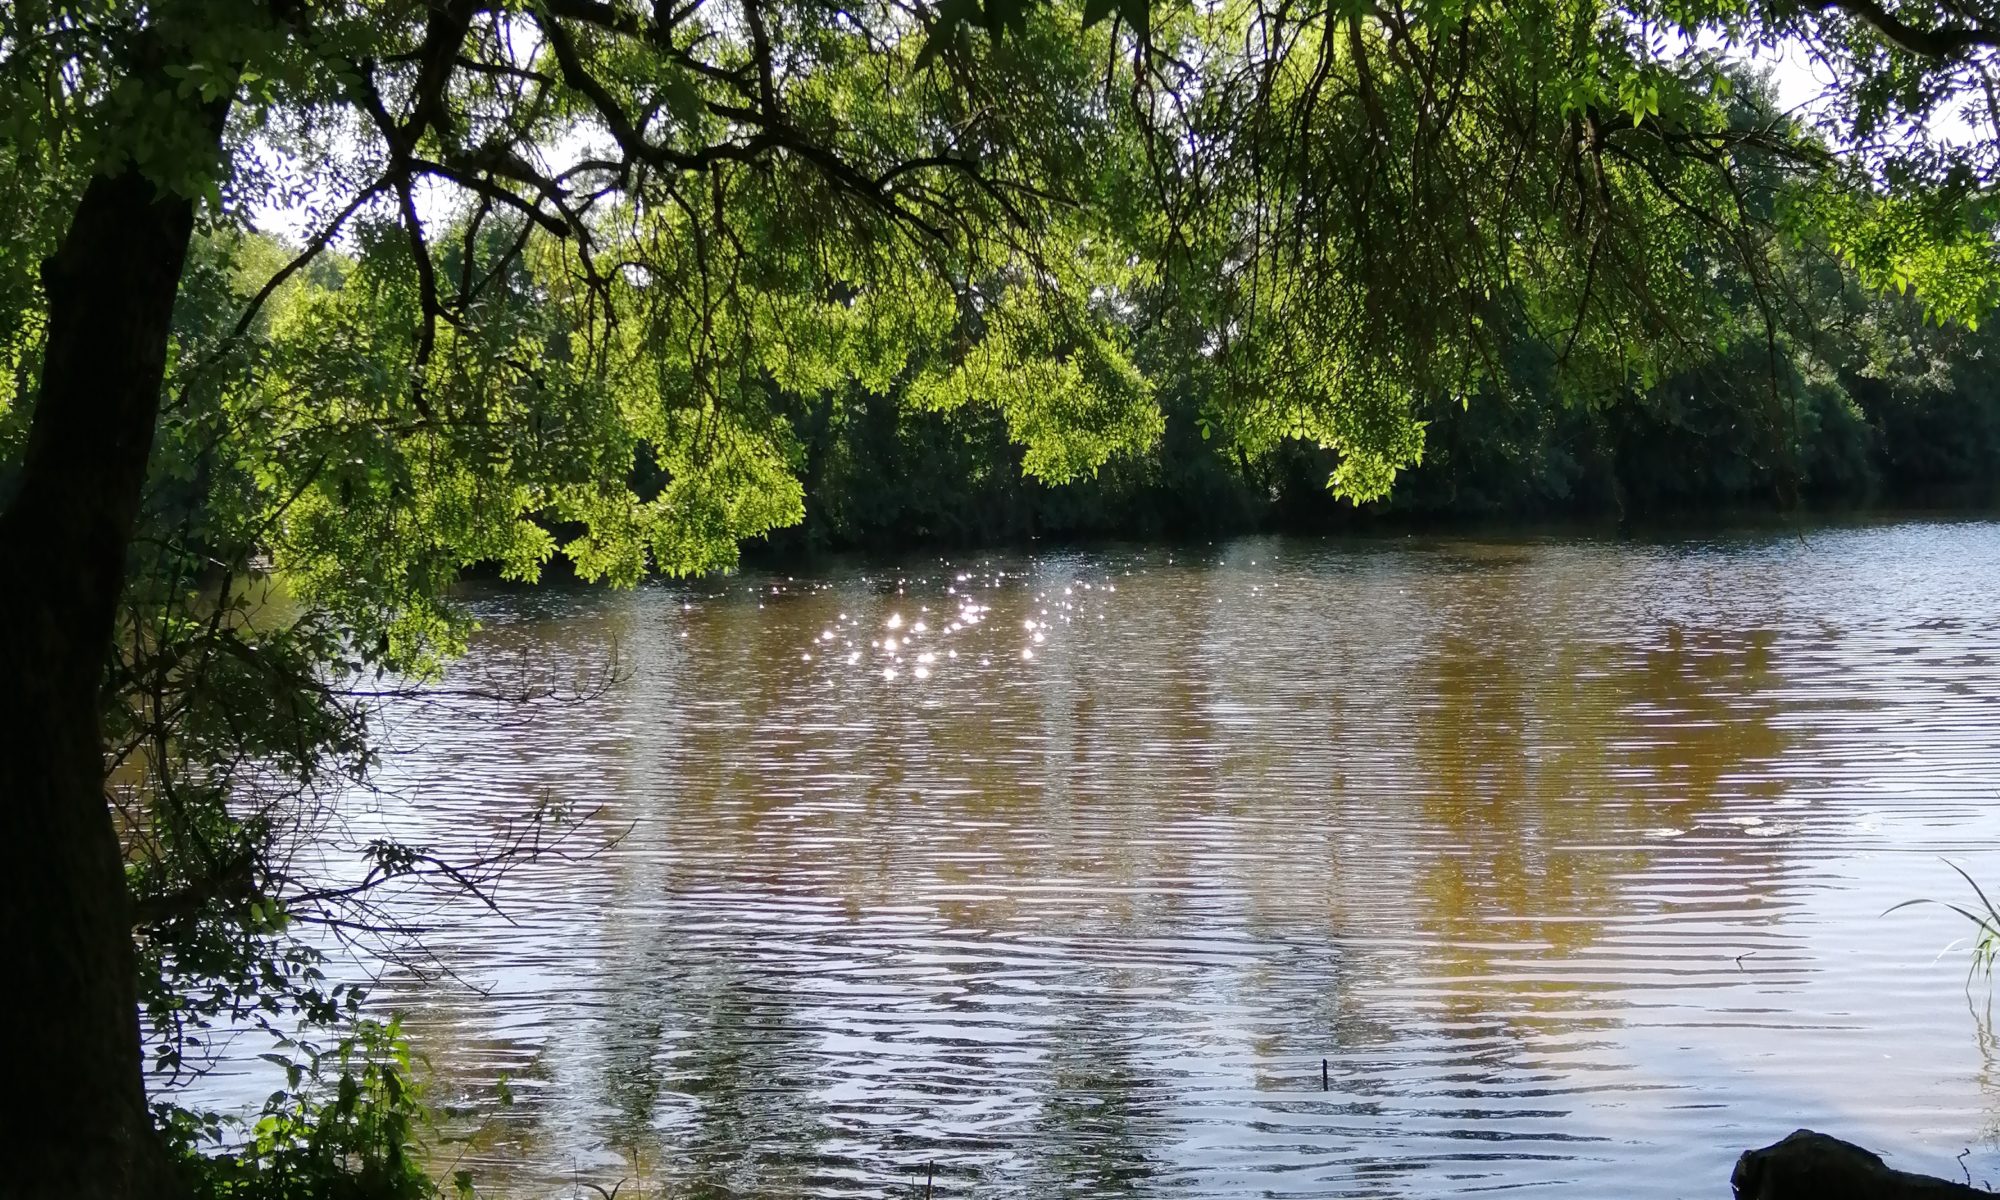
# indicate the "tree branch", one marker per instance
pixel 1942 42
pixel 493 191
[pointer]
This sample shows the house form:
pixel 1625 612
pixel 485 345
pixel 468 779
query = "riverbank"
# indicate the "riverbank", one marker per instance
pixel 1918 429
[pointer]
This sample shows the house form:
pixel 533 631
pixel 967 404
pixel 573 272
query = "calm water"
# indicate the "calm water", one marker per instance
pixel 1568 858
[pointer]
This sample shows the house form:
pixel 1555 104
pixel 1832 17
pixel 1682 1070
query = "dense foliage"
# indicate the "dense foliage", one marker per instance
pixel 1880 407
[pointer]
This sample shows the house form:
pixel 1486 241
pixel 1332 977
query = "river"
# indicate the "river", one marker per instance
pixel 1386 867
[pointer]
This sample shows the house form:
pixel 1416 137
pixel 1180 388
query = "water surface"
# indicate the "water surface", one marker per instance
pixel 1410 867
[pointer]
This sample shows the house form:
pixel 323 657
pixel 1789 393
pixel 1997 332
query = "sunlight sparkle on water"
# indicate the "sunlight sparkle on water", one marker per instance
pixel 1571 907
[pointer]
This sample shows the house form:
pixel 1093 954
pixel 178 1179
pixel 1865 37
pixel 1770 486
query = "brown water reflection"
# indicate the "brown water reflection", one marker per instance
pixel 1567 857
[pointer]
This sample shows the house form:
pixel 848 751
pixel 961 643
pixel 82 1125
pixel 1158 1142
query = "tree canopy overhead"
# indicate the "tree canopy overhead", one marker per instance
pixel 569 277
pixel 1346 208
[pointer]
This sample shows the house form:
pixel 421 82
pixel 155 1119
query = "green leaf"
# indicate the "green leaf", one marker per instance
pixel 1139 15
pixel 1007 16
pixel 952 14
pixel 684 99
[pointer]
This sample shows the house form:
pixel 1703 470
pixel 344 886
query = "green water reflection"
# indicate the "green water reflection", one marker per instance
pixel 1565 857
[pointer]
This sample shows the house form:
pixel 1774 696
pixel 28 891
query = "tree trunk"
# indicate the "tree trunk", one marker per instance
pixel 82 1131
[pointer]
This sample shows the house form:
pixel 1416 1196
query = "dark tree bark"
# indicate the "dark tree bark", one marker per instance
pixel 82 1129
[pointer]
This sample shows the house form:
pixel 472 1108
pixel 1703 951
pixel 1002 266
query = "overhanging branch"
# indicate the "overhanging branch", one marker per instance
pixel 1943 41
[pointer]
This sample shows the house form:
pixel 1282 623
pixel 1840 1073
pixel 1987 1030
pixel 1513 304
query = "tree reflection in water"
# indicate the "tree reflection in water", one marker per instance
pixel 1563 855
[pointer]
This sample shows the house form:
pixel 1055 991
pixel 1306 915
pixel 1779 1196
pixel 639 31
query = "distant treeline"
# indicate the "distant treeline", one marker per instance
pixel 1890 411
